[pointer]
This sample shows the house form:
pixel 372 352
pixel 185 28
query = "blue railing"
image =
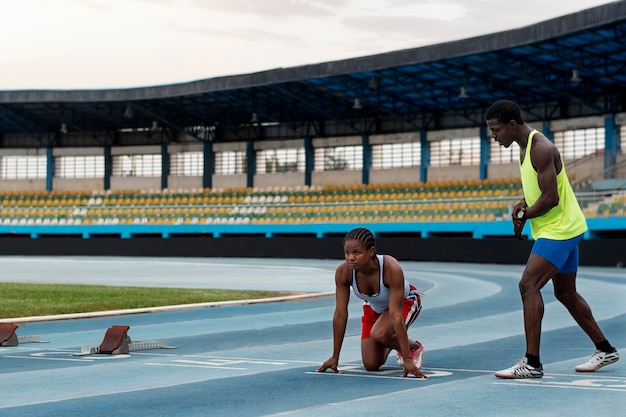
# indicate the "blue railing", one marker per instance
pixel 598 227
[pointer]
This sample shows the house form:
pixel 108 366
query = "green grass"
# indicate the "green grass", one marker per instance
pixel 25 300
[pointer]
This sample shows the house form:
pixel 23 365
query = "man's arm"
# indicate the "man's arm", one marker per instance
pixel 542 156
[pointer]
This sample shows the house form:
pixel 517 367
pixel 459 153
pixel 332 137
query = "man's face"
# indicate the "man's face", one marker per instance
pixel 501 132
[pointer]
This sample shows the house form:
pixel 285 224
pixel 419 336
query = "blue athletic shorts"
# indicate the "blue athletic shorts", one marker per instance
pixel 561 253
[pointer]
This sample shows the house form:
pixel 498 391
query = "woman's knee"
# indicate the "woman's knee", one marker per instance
pixel 379 335
pixel 372 357
pixel 371 365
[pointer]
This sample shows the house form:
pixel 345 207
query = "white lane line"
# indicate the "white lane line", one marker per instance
pixel 43 358
pixel 563 385
pixel 196 365
pixel 383 374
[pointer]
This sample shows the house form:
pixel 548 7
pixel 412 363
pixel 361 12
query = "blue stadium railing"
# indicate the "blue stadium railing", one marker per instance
pixel 598 228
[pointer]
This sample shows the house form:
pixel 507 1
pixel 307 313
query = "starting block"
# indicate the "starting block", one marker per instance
pixel 8 337
pixel 117 341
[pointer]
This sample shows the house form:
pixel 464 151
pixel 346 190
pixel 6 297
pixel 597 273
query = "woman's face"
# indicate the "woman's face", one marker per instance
pixel 356 254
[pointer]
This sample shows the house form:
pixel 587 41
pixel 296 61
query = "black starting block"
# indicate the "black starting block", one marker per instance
pixel 117 341
pixel 8 336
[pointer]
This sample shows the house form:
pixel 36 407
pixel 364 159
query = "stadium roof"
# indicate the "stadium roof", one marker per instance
pixel 571 66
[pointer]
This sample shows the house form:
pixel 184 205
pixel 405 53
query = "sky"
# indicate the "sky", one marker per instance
pixel 102 44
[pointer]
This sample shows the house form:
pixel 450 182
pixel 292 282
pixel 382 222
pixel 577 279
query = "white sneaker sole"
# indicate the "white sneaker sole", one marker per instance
pixel 583 368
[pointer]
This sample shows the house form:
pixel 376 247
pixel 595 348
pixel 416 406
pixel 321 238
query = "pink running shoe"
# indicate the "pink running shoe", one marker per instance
pixel 416 357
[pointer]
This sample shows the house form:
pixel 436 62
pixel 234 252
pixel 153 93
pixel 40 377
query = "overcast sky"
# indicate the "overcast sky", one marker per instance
pixel 93 44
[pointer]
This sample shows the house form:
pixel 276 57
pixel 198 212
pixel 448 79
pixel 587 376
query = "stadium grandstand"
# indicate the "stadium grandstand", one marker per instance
pixel 284 162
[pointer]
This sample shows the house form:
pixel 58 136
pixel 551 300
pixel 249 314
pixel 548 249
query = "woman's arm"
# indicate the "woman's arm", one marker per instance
pixel 340 317
pixel 394 279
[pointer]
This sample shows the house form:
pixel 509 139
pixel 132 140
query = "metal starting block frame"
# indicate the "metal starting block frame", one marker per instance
pixel 116 341
pixel 8 336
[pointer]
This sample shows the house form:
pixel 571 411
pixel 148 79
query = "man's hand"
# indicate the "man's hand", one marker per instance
pixel 519 220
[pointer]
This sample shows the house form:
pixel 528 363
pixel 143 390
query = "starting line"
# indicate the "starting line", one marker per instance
pixel 386 373
pixel 563 381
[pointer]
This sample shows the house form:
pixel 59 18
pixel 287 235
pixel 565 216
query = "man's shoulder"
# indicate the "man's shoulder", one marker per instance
pixel 540 139
pixel 543 147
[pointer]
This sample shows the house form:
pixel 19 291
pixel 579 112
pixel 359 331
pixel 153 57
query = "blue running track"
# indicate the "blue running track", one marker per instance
pixel 259 359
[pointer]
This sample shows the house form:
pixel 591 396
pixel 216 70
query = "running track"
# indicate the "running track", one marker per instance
pixel 259 359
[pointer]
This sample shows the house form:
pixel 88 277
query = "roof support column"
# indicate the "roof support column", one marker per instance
pixel 251 163
pixel 545 129
pixel 209 165
pixel 309 160
pixel 485 152
pixel 425 155
pixel 367 159
pixel 49 169
pixel 612 142
pixel 108 167
pixel 165 166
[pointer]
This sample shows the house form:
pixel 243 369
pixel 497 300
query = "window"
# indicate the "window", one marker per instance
pixel 137 166
pixel 340 158
pixel 187 164
pixel 280 160
pixel 228 163
pixel 22 167
pixel 79 167
pixel 575 144
pixel 396 155
pixel 450 152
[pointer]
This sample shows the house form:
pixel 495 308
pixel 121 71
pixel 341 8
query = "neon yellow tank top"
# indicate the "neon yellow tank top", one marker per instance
pixel 562 222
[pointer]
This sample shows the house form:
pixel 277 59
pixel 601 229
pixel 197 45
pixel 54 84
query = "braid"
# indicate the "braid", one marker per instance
pixel 361 234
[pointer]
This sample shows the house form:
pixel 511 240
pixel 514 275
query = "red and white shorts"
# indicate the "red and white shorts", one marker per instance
pixel 410 310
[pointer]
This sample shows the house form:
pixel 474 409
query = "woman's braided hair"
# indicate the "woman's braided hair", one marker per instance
pixel 361 234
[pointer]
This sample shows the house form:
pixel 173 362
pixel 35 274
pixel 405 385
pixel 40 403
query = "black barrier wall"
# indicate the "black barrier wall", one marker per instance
pixel 593 252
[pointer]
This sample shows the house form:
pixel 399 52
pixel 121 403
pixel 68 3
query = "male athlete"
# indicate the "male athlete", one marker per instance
pixel 557 224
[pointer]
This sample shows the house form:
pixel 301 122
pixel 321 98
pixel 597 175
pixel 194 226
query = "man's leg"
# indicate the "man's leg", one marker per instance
pixel 565 292
pixel 536 274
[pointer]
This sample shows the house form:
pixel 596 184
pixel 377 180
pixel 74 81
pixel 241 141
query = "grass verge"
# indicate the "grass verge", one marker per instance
pixel 26 300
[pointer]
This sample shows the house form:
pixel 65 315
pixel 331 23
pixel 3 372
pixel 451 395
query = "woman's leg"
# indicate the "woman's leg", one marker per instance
pixel 382 340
